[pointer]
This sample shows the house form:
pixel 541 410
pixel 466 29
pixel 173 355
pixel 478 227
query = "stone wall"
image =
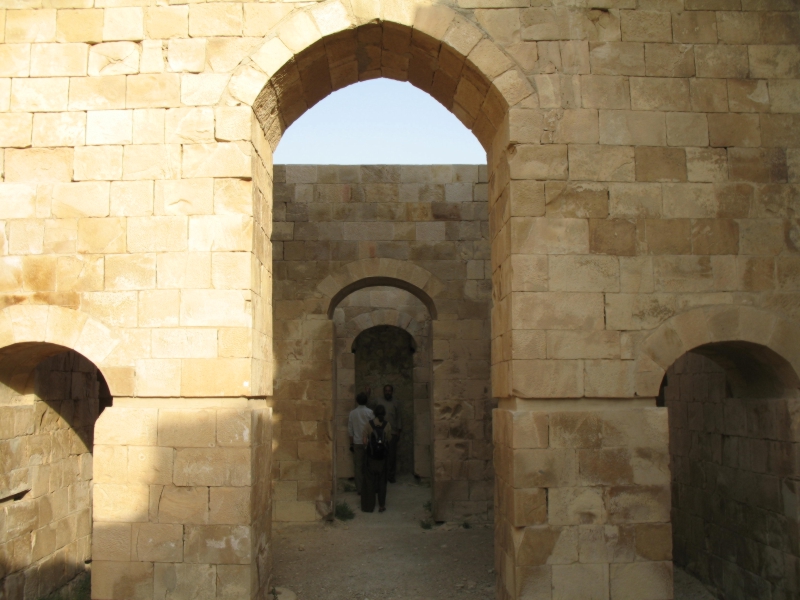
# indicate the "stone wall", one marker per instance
pixel 328 218
pixel 46 478
pixel 641 181
pixel 182 503
pixel 734 483
pixel 583 504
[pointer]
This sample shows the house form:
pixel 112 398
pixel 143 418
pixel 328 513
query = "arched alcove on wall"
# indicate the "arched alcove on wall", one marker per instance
pixel 733 467
pixel 50 398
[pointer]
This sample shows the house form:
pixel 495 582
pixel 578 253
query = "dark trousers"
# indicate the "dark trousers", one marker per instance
pixel 391 458
pixel 374 483
pixel 359 457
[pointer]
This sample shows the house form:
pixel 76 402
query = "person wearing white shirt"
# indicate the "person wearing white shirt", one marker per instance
pixel 356 424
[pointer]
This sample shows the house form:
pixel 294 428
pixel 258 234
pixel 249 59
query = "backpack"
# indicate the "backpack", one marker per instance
pixel 376 447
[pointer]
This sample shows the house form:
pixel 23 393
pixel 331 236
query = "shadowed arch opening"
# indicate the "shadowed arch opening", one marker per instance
pixel 395 51
pixel 733 467
pixel 50 399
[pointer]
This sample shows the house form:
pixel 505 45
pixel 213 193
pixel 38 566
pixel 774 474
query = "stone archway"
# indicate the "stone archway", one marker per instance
pixel 730 384
pixel 714 324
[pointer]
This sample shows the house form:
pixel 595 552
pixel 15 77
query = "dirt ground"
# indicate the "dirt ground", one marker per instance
pixel 389 556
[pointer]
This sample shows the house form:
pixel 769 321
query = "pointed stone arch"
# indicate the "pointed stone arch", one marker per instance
pixel 715 325
pixel 327 46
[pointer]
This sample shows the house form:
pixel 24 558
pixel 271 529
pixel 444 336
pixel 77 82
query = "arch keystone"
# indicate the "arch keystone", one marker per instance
pixel 28 322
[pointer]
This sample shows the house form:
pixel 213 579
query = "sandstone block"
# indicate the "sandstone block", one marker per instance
pixel 528 507
pixel 15 60
pixel 186 55
pixel 181 580
pixel 724 61
pixel 59 60
pixel 109 127
pixel 212 466
pixel 151 465
pixel 579 200
pixel 111 541
pixel 123 24
pixel 659 93
pixel 622 127
pixel 114 58
pixel 549 236
pixel 526 198
pixel 217 544
pixel 727 130
pixel 158 377
pixel 16 130
pixel 161 161
pixel 157 542
pixel 98 163
pixel 580 581
pixel 121 503
pixel 669 60
pixel 216 19
pixel 544 468
pixel 85 199
pixel 165 22
pixel 186 505
pixel 547 379
pixel 122 580
pixel 187 428
pixel 601 163
pixel 642 504
pixel 586 273
pixel 695 27
pixel 605 91
pixel 545 545
pixel 774 62
pixel 40 165
pixel 660 164
pixel 79 25
pixel 184 197
pixel 641 580
pixel 229 506
pixel 582 344
pixel 30 26
pixel 59 129
pixel 97 93
pixel 634 200
pixel 646 26
pixel 153 91
pixel 227 159
pixel 617 58
pixel 539 162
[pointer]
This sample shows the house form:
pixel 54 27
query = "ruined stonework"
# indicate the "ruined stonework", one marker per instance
pixel 373 226
pixel 643 159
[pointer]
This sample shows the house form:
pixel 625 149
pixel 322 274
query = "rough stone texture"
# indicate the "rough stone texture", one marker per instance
pixel 388 220
pixel 650 148
pixel 734 485
pixel 583 503
pixel 46 477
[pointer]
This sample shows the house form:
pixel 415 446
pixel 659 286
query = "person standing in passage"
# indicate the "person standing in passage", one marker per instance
pixel 377 436
pixel 395 419
pixel 356 423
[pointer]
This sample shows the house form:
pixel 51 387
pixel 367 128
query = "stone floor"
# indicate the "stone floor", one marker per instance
pixel 389 556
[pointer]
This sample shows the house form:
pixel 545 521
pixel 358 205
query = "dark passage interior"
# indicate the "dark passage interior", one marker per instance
pixel 385 355
pixel 734 471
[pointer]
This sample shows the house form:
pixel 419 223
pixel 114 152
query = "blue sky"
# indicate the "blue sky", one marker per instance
pixel 380 121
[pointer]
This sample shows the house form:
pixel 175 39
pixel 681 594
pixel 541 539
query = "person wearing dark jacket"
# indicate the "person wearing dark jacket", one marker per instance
pixel 377 436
